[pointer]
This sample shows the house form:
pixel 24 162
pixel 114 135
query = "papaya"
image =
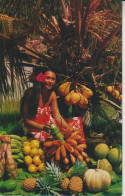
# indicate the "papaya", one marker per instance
pixel 64 89
pixel 9 185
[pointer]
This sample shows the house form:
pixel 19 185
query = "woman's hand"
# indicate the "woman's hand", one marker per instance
pixel 47 128
pixel 70 127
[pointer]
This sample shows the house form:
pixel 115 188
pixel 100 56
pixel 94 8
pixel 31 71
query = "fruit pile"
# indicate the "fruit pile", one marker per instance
pixel 110 159
pixel 73 182
pixel 115 93
pixel 66 148
pixel 79 96
pixel 34 156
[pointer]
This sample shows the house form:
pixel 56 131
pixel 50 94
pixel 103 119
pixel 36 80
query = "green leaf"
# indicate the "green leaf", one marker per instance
pixel 113 191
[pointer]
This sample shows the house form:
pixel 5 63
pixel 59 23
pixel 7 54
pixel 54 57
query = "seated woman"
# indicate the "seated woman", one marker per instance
pixel 39 106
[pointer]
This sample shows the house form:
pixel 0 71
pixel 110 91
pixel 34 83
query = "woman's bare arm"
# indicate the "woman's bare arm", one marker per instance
pixel 56 114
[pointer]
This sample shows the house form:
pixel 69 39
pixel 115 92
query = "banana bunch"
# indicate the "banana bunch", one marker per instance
pixel 113 133
pixel 68 150
pixel 17 148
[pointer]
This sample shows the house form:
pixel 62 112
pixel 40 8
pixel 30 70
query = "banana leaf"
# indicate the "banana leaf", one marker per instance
pixel 113 190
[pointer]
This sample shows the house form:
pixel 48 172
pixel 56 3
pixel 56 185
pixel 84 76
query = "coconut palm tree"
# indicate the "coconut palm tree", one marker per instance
pixel 75 35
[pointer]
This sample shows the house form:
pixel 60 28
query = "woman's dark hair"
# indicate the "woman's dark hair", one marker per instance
pixel 32 95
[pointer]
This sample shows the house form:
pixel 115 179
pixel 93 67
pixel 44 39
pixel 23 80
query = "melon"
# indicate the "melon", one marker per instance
pixel 104 164
pixel 101 150
pixel 115 155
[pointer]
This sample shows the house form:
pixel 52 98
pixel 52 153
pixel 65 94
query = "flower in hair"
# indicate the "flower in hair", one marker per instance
pixel 40 77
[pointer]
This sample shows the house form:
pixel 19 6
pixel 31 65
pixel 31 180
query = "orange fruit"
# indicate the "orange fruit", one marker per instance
pixel 109 89
pixel 36 160
pixel 40 152
pixel 41 167
pixel 34 151
pixel 34 144
pixel 26 143
pixel 32 168
pixel 28 160
pixel 26 150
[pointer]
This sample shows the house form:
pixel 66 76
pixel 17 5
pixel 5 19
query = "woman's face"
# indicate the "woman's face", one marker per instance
pixel 50 80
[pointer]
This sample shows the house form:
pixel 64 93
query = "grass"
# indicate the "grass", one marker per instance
pixel 10 106
pixel 10 112
pixel 10 117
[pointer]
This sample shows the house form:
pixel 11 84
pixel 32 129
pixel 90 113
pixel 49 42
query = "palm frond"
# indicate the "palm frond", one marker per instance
pixel 97 55
pixel 74 35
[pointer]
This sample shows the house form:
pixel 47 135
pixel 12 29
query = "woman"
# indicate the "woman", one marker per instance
pixel 39 106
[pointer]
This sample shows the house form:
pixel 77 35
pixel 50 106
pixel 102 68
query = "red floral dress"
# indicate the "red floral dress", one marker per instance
pixel 44 116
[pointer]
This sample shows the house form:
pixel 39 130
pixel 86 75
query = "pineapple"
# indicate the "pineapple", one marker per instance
pixel 65 184
pixel 49 184
pixel 76 184
pixel 54 171
pixel 78 169
pixel 29 184
pixel 46 186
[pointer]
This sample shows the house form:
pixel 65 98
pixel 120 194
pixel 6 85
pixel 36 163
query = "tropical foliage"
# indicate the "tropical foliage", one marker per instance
pixel 75 38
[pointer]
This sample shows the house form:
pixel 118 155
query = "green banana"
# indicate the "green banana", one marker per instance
pixel 15 151
pixel 15 157
pixel 16 137
pixel 20 161
pixel 20 155
pixel 15 146
pixel 14 141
